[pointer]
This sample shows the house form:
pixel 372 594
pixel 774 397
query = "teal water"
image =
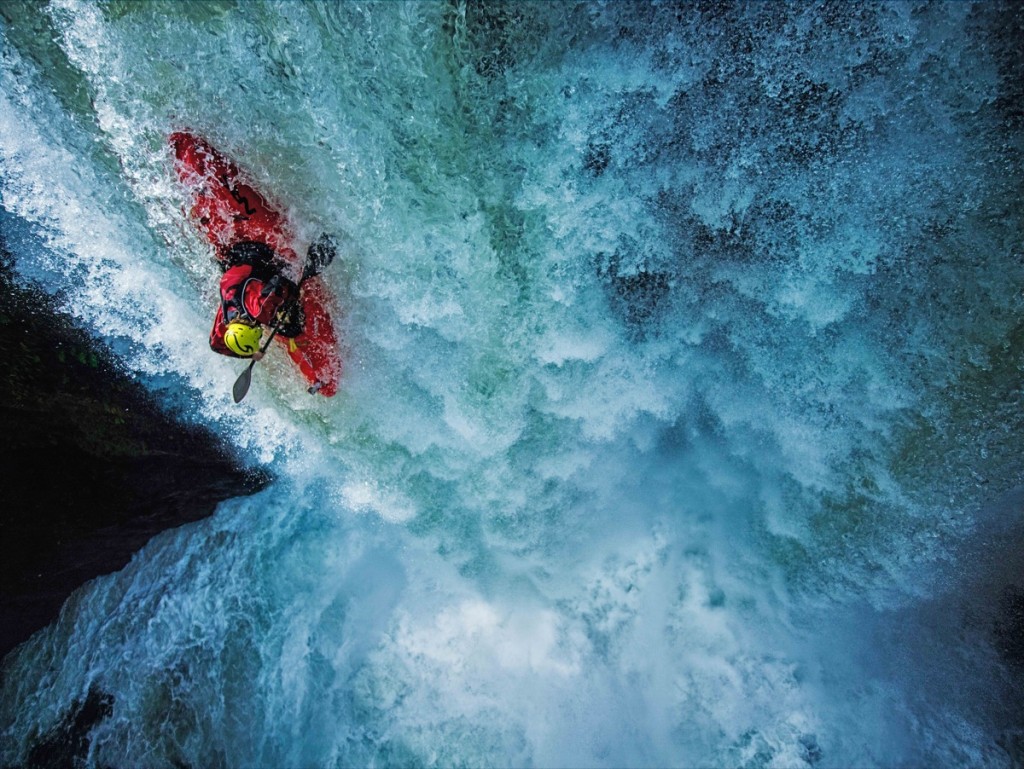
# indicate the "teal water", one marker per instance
pixel 682 408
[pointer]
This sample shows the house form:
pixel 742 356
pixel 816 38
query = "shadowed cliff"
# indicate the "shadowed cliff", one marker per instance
pixel 93 467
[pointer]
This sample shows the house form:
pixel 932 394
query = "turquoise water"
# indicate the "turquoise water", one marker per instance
pixel 682 408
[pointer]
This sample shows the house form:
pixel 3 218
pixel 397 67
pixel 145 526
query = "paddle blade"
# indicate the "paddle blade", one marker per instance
pixel 319 255
pixel 242 383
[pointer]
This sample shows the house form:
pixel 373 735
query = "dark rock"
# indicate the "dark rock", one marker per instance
pixel 93 466
pixel 67 744
pixel 1008 629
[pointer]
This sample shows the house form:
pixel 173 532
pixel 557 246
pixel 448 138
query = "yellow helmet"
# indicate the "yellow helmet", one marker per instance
pixel 243 339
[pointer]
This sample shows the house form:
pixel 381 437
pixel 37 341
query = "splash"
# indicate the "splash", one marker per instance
pixel 682 381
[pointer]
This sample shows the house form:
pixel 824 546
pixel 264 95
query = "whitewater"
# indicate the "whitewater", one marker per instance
pixel 682 407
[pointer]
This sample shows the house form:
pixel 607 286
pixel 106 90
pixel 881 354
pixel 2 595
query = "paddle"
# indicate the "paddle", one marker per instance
pixel 245 379
pixel 320 254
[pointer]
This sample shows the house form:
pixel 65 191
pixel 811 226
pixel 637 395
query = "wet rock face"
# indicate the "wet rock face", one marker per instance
pixel 92 466
pixel 1008 629
pixel 67 744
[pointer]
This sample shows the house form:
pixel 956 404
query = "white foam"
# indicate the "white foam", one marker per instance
pixel 614 452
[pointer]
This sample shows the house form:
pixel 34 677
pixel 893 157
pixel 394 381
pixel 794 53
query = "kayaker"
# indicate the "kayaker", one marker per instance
pixel 254 292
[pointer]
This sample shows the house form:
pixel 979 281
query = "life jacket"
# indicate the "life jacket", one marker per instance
pixel 252 289
pixel 247 297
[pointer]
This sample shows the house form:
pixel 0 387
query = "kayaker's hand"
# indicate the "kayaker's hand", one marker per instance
pixel 258 355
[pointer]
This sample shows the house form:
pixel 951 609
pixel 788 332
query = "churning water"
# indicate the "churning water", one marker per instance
pixel 681 421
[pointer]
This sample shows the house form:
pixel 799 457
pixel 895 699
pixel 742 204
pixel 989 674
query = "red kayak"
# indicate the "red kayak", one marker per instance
pixel 229 211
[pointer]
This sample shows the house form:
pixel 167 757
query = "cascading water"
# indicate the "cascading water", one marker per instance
pixel 682 408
